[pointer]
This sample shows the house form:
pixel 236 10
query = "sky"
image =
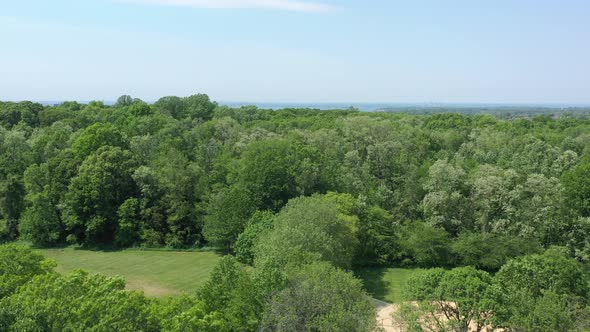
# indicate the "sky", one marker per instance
pixel 399 51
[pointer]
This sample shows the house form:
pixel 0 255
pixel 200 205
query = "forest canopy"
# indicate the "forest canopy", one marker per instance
pixel 187 172
pixel 302 196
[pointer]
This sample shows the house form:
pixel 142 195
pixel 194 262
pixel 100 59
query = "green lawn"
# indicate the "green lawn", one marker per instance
pixel 161 273
pixel 157 273
pixel 385 283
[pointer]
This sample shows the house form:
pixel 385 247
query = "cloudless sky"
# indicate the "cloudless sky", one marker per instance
pixel 456 51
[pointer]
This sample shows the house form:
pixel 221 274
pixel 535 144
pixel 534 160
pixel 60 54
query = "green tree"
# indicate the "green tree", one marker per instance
pixel 445 203
pixel 12 193
pixel 379 237
pixel 47 142
pixel 197 106
pixel 278 169
pixel 547 313
pixel 186 313
pixel 172 105
pixel 40 222
pixel 140 109
pixel 491 196
pixel 259 224
pixel 18 266
pixel 228 213
pixel 577 189
pixel 129 223
pixel 320 297
pixel 537 210
pixel 490 252
pixel 15 157
pixel 25 112
pixel 524 287
pixel 96 136
pixel 453 300
pixel 232 293
pixel 578 239
pixel 94 195
pixel 426 246
pixel 307 229
pixel 266 172
pixel 77 302
pixel 126 100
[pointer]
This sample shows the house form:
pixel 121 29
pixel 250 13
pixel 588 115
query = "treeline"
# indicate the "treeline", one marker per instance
pixel 500 111
pixel 186 172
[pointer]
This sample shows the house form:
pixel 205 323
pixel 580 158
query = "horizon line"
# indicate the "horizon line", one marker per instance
pixel 341 103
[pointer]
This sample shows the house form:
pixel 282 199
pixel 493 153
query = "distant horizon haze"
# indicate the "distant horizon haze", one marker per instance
pixel 362 106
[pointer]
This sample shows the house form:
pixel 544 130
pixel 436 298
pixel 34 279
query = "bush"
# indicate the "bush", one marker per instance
pixel 320 298
pixel 260 223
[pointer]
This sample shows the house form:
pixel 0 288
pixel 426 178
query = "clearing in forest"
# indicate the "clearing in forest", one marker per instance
pixel 157 273
pixel 385 284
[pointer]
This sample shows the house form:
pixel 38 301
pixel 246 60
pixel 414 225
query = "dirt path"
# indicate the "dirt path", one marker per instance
pixel 386 323
pixel 384 316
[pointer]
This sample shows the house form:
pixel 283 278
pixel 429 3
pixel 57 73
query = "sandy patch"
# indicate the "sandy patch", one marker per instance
pixel 386 322
pixel 385 316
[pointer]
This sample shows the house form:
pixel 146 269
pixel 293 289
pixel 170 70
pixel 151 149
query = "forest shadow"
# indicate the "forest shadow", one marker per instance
pixel 374 282
pixel 108 248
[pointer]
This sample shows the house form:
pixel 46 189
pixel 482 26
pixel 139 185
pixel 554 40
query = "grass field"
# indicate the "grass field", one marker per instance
pixel 385 284
pixel 157 273
pixel 161 273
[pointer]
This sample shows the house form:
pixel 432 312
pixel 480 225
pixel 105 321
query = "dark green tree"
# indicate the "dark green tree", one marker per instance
pixel 103 183
pixel 426 246
pixel 228 213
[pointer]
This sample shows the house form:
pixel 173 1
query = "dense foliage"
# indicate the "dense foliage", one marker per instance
pixel 300 195
pixel 546 293
pixel 185 172
pixel 33 297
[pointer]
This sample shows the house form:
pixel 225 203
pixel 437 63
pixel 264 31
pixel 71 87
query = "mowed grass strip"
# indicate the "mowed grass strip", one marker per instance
pixel 157 273
pixel 385 284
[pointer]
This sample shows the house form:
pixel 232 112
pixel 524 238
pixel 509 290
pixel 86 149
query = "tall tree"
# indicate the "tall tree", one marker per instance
pixel 94 195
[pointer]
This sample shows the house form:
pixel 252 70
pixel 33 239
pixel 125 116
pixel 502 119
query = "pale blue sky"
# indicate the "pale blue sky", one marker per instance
pixel 456 51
